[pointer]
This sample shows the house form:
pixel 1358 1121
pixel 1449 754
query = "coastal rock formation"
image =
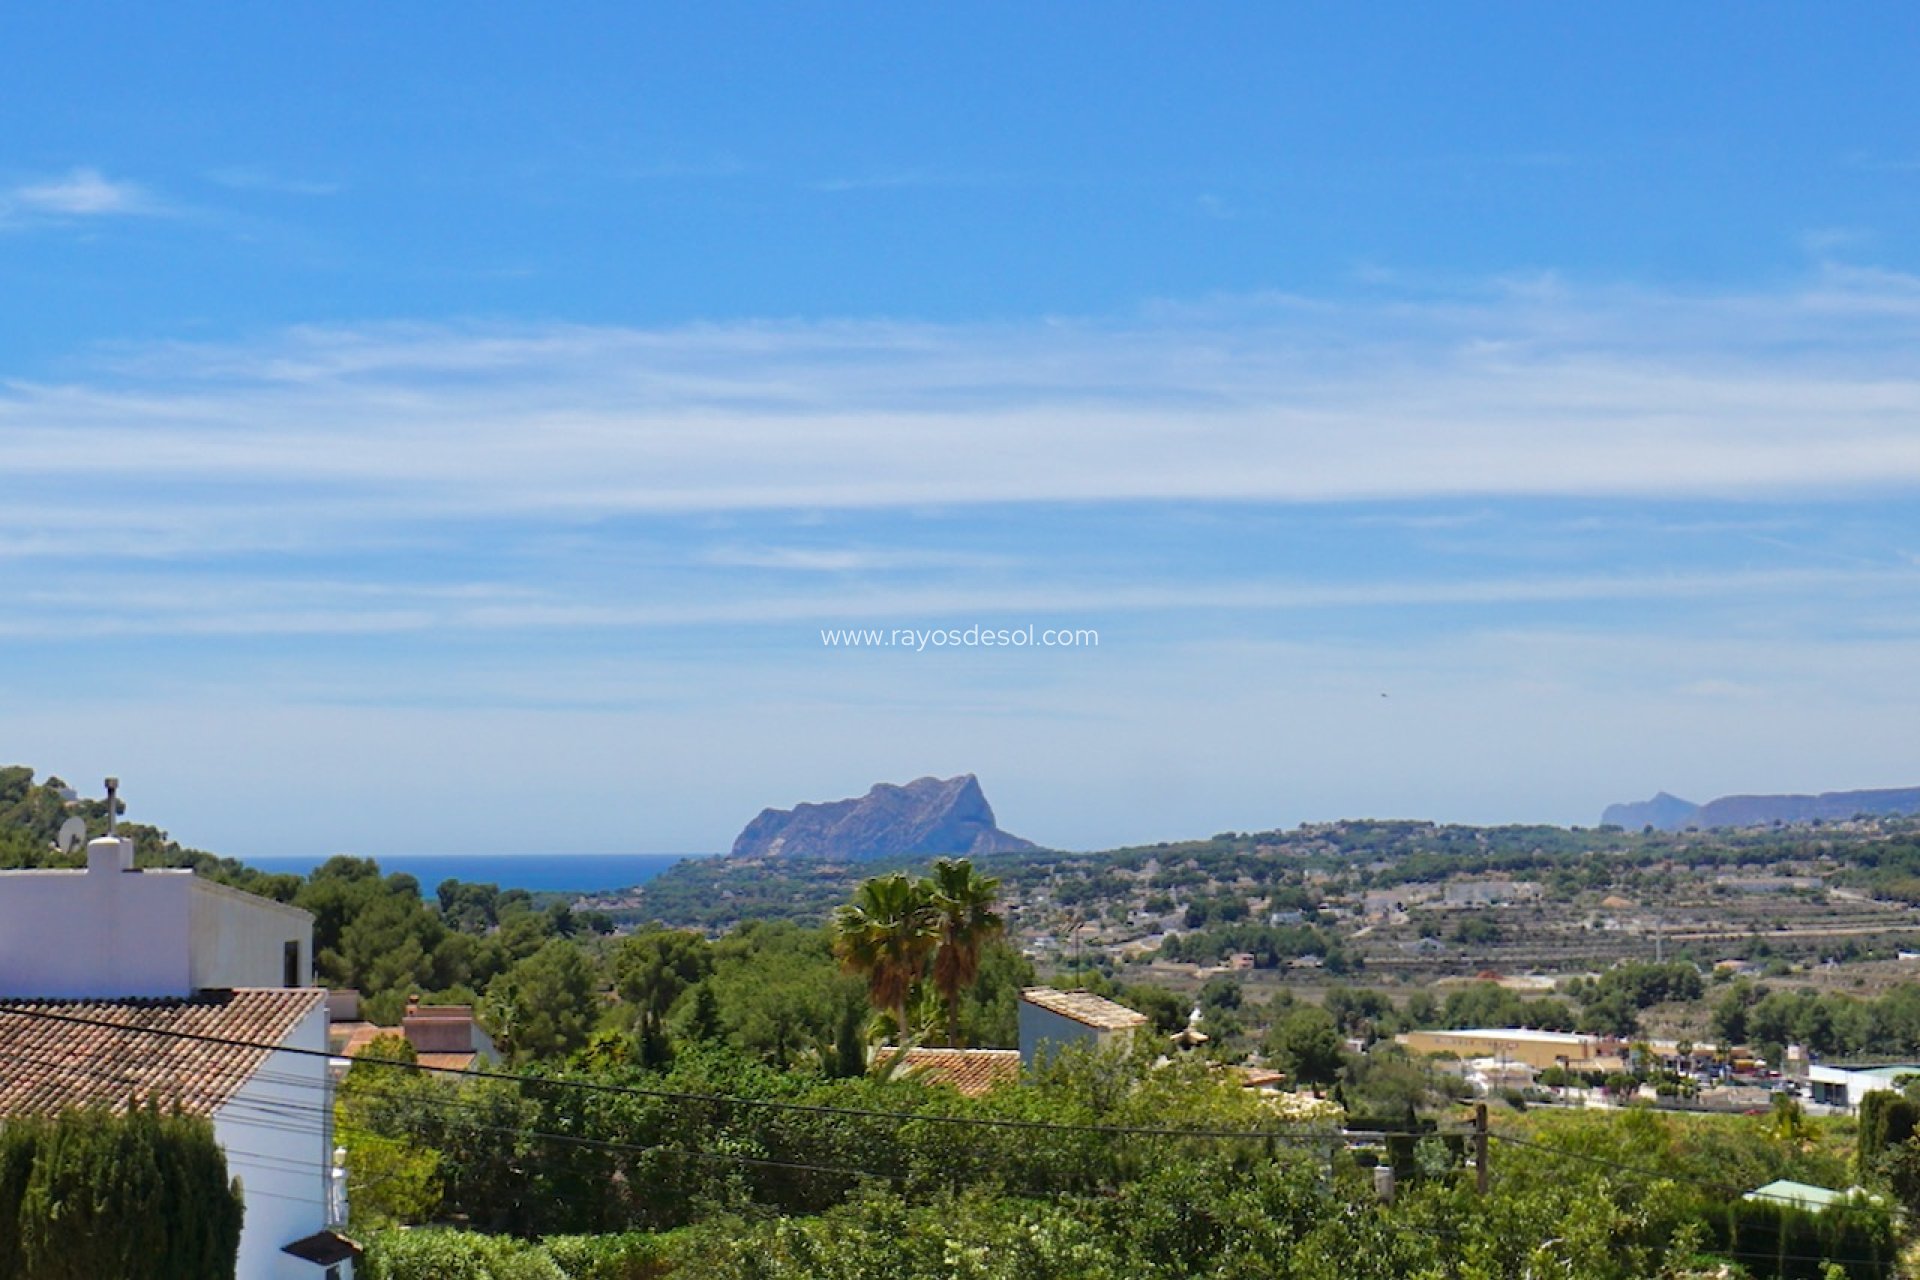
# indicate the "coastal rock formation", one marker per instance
pixel 928 816
pixel 1670 813
pixel 1663 812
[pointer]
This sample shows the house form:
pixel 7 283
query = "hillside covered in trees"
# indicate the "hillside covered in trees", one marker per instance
pixel 712 1102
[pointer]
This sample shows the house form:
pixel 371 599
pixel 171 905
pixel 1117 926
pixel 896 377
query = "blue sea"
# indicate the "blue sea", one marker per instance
pixel 536 872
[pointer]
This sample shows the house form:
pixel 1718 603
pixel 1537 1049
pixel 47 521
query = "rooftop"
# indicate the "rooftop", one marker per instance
pixel 1801 1195
pixel 1085 1007
pixel 62 1053
pixel 1887 1071
pixel 971 1071
pixel 443 1037
pixel 1516 1034
pixel 159 875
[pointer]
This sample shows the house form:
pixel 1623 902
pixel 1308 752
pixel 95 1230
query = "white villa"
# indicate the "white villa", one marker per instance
pixel 121 985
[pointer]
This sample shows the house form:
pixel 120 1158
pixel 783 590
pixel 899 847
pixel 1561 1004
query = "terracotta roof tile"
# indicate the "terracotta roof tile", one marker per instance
pixel 350 1039
pixel 1085 1007
pixel 447 1061
pixel 437 1040
pixel 971 1071
pixel 47 1064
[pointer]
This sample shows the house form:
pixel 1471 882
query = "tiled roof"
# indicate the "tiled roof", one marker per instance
pixel 971 1071
pixel 1085 1007
pixel 443 1040
pixel 447 1061
pixel 47 1064
pixel 350 1039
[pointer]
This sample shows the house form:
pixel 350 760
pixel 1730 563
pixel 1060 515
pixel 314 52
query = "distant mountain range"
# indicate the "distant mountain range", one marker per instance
pixel 927 816
pixel 1671 813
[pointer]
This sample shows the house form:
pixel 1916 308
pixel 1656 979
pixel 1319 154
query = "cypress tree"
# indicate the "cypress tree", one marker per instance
pixel 19 1142
pixel 1887 1119
pixel 93 1195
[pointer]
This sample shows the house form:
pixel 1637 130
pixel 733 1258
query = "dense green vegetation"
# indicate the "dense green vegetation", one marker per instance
pixel 773 1163
pixel 91 1195
pixel 1829 1023
pixel 1270 946
pixel 446 1254
pixel 1596 1197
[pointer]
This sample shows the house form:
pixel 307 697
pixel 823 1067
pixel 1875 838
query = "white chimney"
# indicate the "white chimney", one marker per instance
pixel 109 854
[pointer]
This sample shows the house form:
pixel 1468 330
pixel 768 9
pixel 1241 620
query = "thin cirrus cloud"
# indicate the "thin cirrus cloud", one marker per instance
pixel 846 559
pixel 1528 389
pixel 79 193
pixel 910 180
pixel 191 604
pixel 244 178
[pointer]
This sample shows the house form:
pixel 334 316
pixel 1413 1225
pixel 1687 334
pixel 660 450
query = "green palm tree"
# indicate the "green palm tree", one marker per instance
pixel 885 934
pixel 962 902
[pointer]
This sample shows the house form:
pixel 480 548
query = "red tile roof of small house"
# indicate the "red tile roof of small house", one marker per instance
pixel 971 1071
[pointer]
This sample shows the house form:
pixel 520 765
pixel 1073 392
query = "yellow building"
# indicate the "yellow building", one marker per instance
pixel 1538 1049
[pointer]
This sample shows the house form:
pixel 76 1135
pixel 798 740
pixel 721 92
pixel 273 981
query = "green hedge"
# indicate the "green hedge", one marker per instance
pixel 1796 1244
pixel 90 1195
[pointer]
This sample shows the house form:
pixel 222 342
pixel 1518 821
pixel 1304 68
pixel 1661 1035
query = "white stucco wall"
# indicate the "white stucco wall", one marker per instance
pixel 106 934
pixel 277 1132
pixel 92 934
pixel 239 939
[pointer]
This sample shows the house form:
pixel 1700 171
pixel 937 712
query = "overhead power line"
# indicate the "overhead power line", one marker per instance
pixel 687 1096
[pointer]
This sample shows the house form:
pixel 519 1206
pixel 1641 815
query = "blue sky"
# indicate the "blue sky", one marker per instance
pixel 449 429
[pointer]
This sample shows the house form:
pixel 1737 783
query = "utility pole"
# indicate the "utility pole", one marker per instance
pixel 1480 1170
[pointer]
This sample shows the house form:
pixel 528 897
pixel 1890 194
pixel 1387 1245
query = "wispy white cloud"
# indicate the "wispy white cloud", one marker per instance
pixel 1826 242
pixel 1217 207
pixel 201 604
pixel 1489 726
pixel 909 179
pixel 247 178
pixel 79 193
pixel 815 559
pixel 717 165
pixel 1531 388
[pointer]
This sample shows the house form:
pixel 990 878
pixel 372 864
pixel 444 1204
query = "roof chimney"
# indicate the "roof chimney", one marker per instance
pixel 109 854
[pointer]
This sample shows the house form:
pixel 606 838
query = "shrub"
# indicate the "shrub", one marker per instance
pixel 631 1255
pixel 442 1254
pixel 91 1195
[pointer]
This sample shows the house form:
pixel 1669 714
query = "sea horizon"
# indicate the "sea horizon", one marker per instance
pixel 534 872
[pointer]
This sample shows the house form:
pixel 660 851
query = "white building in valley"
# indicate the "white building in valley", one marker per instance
pixel 1844 1087
pixel 120 985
